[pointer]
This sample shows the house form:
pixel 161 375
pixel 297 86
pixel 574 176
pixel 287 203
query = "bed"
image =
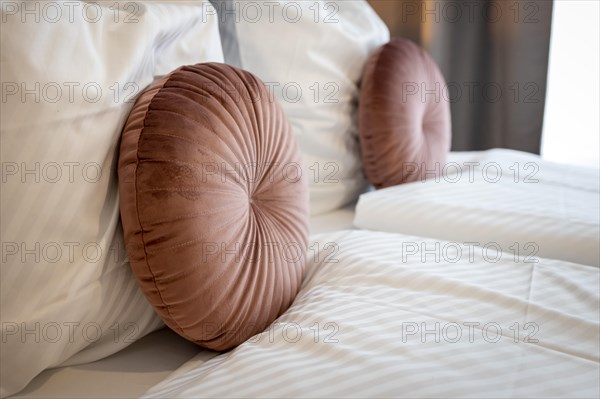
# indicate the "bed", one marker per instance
pixel 376 311
pixel 475 276
pixel 450 330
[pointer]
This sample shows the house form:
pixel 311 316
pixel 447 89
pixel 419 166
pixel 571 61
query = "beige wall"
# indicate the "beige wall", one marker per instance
pixel 399 21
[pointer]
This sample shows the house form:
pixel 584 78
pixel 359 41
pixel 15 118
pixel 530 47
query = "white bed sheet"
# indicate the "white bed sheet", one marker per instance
pixel 341 219
pixel 368 294
pixel 364 325
pixel 126 374
pixel 534 207
pixel 132 371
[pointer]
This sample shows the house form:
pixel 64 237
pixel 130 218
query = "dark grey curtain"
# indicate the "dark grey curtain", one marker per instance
pixel 494 55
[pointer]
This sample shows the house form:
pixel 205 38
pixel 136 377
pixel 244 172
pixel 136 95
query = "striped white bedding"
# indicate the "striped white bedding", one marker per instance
pixel 500 199
pixel 373 321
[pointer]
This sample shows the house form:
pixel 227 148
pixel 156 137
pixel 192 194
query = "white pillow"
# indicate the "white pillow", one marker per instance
pixel 69 70
pixel 312 54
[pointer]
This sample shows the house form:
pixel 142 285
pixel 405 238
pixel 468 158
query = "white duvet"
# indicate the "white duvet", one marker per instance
pixel 498 199
pixel 375 320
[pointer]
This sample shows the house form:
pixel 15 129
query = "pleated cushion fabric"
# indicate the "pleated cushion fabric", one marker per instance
pixel 214 203
pixel 404 118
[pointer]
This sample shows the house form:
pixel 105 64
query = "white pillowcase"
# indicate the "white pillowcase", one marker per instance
pixel 312 54
pixel 68 73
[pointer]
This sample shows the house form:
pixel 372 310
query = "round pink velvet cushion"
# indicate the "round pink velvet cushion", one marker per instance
pixel 404 119
pixel 214 204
